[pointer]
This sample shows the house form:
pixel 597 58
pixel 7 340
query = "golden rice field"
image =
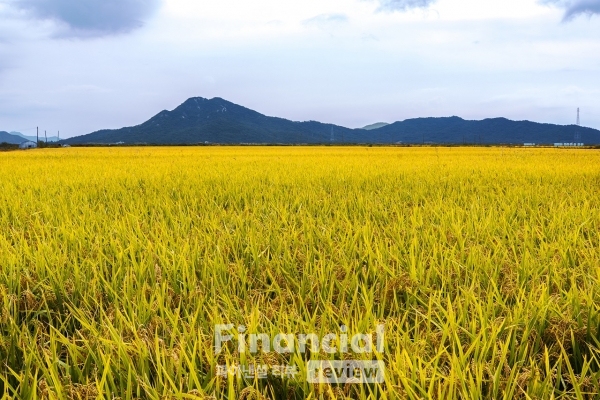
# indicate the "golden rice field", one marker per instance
pixel 483 264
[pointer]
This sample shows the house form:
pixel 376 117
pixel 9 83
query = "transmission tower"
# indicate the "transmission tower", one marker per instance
pixel 577 138
pixel 332 138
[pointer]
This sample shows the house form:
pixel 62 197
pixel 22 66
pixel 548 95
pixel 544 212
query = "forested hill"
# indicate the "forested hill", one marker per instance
pixel 487 131
pixel 6 137
pixel 200 120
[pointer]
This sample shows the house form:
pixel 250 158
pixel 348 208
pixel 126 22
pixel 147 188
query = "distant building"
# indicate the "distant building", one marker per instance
pixel 528 144
pixel 568 144
pixel 28 145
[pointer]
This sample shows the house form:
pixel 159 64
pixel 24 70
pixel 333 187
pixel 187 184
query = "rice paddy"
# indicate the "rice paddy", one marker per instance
pixel 116 264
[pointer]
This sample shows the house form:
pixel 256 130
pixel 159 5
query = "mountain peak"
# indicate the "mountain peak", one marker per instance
pixel 376 125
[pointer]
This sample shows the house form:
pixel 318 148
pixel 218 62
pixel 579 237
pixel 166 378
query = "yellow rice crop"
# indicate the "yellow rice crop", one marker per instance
pixel 116 263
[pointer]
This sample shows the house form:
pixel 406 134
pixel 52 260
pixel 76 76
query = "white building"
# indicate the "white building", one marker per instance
pixel 28 145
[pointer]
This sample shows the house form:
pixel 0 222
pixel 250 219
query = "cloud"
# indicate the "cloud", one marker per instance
pixel 583 7
pixel 403 5
pixel 573 8
pixel 92 17
pixel 326 19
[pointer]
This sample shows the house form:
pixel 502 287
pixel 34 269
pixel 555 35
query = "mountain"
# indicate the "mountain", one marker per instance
pixel 488 131
pixel 200 120
pixel 6 137
pixel 34 138
pixel 375 126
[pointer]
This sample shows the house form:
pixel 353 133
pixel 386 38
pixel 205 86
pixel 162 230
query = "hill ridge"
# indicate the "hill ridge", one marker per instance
pixel 216 120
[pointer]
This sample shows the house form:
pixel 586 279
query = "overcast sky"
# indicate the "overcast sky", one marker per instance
pixel 79 66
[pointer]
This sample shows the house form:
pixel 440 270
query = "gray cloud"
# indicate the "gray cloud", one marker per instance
pixel 403 5
pixel 574 8
pixel 583 7
pixel 92 17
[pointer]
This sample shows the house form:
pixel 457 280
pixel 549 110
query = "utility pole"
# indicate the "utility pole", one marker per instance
pixel 59 136
pixel 46 136
pixel 37 135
